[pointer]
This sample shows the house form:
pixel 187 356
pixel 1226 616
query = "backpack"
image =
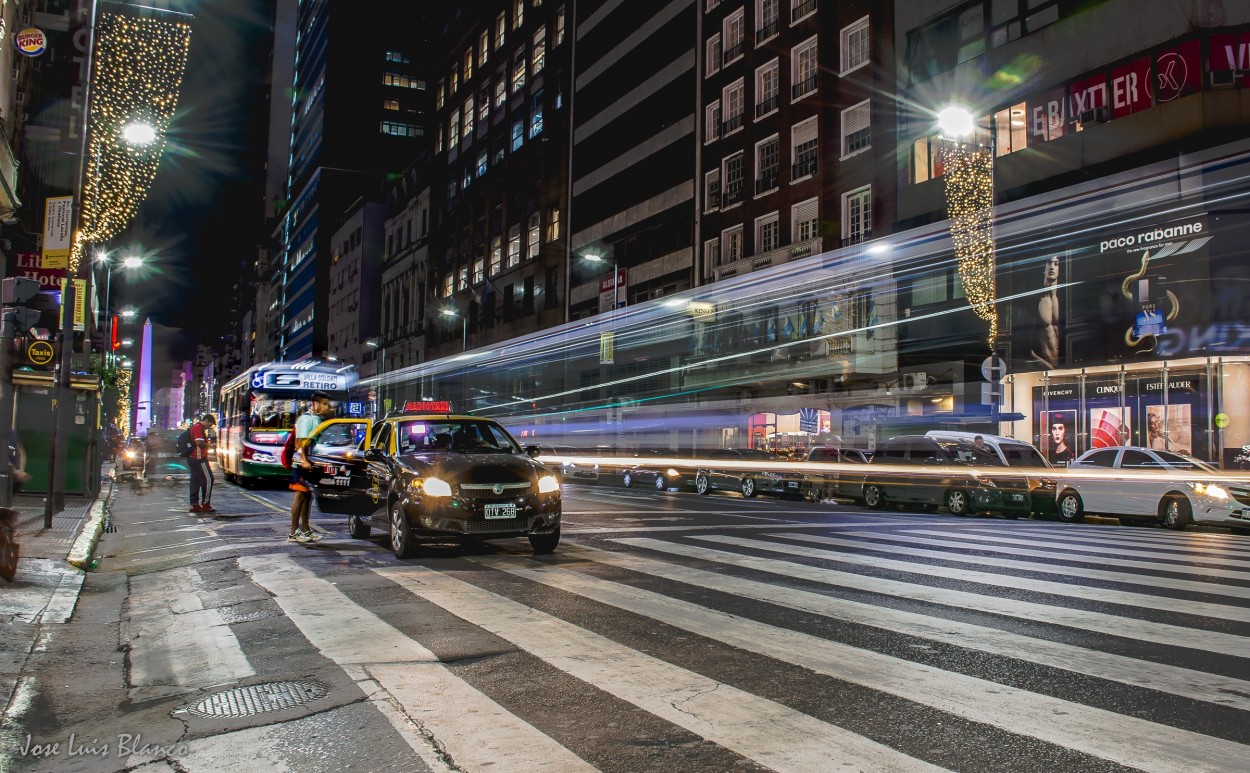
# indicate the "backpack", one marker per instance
pixel 184 444
pixel 288 450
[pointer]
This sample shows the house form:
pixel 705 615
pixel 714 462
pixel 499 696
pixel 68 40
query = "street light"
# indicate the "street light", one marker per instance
pixel 129 262
pixel 464 327
pixel 139 133
pixel 616 276
pixel 128 313
pixel 376 344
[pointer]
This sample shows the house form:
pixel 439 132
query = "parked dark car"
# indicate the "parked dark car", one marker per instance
pixel 749 483
pixel 438 476
pixel 846 484
pixel 941 477
pixel 661 477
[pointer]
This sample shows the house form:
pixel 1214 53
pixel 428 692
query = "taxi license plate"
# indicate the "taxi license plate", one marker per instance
pixel 793 484
pixel 1017 497
pixel 501 511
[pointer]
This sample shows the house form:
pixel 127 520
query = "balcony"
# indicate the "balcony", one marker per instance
pixel 801 10
pixel 732 53
pixel 732 196
pixel 804 167
pixel 766 107
pixel 803 87
pixel 766 32
pixel 731 124
pixel 859 237
pixel 766 181
pixel 777 257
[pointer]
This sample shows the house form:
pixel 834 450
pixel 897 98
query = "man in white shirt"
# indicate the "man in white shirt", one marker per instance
pixel 301 508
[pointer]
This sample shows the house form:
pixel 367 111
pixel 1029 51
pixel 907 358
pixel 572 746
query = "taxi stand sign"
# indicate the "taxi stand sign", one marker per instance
pixel 40 353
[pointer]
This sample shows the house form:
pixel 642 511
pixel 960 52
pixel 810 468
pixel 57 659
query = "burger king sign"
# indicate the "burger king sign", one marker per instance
pixel 31 41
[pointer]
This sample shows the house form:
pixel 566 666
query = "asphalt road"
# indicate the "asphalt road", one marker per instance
pixel 668 632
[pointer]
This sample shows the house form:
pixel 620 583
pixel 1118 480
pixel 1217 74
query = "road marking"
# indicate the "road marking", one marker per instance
pixel 1199 587
pixel 1116 550
pixel 764 731
pixel 733 526
pixel 1230 547
pixel 1028 565
pixel 265 501
pixel 1066 590
pixel 1098 622
pixel 474 730
pixel 1135 742
pixel 163 615
pixel 1198 685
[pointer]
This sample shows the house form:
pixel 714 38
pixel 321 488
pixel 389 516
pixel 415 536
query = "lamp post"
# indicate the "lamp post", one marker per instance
pixel 969 173
pixel 616 277
pixel 464 327
pixel 376 344
pixel 130 262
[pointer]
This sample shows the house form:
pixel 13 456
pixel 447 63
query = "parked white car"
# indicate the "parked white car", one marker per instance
pixel 1184 494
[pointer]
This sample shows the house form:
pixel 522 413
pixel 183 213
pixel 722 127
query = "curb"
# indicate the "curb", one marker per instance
pixel 80 554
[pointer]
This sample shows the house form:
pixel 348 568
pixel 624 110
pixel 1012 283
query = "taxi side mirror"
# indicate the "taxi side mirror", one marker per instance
pixel 532 452
pixel 373 455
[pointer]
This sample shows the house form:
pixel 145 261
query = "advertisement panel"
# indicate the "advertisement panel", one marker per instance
pixel 58 215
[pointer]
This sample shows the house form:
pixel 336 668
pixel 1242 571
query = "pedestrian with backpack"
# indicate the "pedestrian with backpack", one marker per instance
pixel 197 462
pixel 296 457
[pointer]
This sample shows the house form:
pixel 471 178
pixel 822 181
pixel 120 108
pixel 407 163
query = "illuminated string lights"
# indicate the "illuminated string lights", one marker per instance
pixel 124 378
pixel 134 91
pixel 969 175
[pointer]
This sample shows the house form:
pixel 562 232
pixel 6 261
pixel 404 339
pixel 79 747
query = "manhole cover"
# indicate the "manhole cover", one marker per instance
pixel 258 698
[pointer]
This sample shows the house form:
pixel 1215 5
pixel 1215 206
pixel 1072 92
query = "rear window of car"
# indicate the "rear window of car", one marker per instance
pixel 1101 458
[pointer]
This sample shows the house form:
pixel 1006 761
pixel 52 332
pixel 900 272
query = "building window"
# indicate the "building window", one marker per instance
pixel 455 79
pixel 463 276
pixel 514 246
pixel 501 26
pixel 733 33
pixel 559 37
pixel 767 86
pixel 539 54
pixel 496 256
pixel 501 89
pixel 856 129
pixel 1010 130
pixel 483 104
pixel 803 69
pixel 396 56
pixel 711 191
pixel 518 134
pixel 483 48
pixel 711 252
pixel 438 140
pixel 481 163
pixel 767 164
pixel 468 63
pixel 803 149
pixel 734 100
pixel 518 70
pixel 713 55
pixel 449 285
pixel 731 244
pixel 453 128
pixel 532 238
pixel 397 129
pixel 801 9
pixel 766 12
pixel 536 115
pixel 479 271
pixel 711 129
pixel 439 96
pixel 731 173
pixel 712 4
pixel 518 14
pixel 854 41
pixel 390 104
pixel 553 224
pixel 767 233
pixel 803 220
pixel 469 114
pixel 857 215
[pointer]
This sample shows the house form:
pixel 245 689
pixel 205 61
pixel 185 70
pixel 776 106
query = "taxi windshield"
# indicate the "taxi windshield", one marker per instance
pixel 466 436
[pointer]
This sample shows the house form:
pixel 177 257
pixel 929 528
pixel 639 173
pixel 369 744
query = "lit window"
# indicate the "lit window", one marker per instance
pixel 514 246
pixel 481 163
pixel 731 244
pixel 518 134
pixel 453 128
pixel 1010 130
pixel 532 237
pixel 767 233
pixel 855 50
pixel 390 104
pixel 559 38
pixel 468 63
pixel 518 70
pixel 518 14
pixel 479 271
pixel 536 115
pixel 501 89
pixel 496 256
pixel 767 86
pixel 483 48
pixel 733 31
pixel 483 104
pixel 454 80
pixel 501 25
pixel 803 69
pixel 803 220
pixel 469 114
pixel 733 98
pixel 553 224
pixel 801 9
pixel 449 285
pixel 539 55
pixel 856 129
pixel 766 12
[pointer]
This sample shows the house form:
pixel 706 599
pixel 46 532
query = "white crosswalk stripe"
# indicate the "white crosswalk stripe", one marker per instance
pixel 1204 557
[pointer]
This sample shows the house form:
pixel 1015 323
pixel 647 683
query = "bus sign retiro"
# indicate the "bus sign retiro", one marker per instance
pixel 259 408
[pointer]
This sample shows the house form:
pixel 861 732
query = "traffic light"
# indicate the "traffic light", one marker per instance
pixel 17 291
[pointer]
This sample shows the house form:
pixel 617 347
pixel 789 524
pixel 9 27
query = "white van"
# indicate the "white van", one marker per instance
pixel 1012 452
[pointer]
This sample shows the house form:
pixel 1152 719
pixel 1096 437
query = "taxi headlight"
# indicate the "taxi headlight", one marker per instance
pixel 1210 489
pixel 434 487
pixel 672 472
pixel 130 454
pixel 547 484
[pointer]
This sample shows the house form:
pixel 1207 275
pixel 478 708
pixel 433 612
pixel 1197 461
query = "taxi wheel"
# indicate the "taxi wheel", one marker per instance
pixel 957 502
pixel 748 488
pixel 627 480
pixel 358 528
pixel 545 544
pixel 702 485
pixel 403 544
pixel 1071 509
pixel 1176 512
pixel 874 497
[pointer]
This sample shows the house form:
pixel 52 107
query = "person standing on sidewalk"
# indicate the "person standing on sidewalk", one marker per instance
pixel 301 508
pixel 201 473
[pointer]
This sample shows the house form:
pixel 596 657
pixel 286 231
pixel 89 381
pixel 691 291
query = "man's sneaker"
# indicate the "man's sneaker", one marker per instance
pixel 311 536
pixel 196 509
pixel 296 536
pixel 207 508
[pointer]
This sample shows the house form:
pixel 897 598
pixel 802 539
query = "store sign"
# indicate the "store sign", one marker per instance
pixel 29 267
pixel 1229 52
pixel 1130 88
pixel 609 286
pixel 1179 71
pixel 30 41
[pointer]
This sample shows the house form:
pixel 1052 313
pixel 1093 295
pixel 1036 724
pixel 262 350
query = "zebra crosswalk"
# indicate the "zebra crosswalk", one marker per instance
pixel 909 648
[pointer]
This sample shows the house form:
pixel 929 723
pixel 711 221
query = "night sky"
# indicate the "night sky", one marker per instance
pixel 204 214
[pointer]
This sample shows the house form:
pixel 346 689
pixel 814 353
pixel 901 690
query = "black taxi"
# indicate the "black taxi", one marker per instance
pixel 434 476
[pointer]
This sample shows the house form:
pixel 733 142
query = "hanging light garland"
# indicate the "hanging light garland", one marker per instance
pixel 969 175
pixel 124 378
pixel 139 64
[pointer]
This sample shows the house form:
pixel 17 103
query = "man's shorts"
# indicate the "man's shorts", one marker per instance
pixel 298 481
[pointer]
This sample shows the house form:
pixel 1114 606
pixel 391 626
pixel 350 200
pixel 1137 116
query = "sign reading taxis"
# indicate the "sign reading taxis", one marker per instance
pixel 40 353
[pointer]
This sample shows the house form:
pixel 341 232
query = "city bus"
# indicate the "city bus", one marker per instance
pixel 259 408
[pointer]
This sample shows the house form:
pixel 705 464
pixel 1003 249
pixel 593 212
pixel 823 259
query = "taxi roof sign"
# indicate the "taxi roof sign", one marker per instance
pixel 427 406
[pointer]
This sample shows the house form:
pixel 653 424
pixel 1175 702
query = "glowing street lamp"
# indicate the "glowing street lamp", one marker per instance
pixel 139 134
pixel 464 327
pixel 956 121
pixel 132 261
pixel 128 313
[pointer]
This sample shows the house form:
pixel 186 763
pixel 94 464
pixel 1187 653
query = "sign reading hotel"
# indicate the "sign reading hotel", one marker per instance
pixel 58 214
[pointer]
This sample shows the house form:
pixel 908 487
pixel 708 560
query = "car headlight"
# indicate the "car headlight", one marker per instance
pixel 130 454
pixel 1210 489
pixel 434 487
pixel 548 484
pixel 672 472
